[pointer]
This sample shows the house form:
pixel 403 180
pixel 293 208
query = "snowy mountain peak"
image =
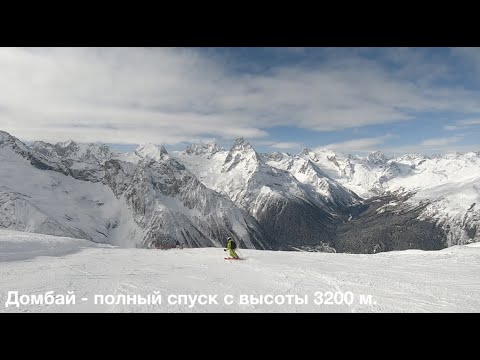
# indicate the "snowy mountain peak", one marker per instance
pixel 326 152
pixel 242 152
pixel 458 155
pixel 40 144
pixel 71 152
pixel 241 143
pixel 151 151
pixel 309 154
pixel 44 148
pixel 275 156
pixel 7 140
pixel 67 143
pixel 73 146
pixel 4 136
pixel 322 155
pixel 242 146
pixel 203 149
pixel 377 157
pixel 67 147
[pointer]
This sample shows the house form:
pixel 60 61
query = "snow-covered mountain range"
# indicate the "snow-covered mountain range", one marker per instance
pixel 445 187
pixel 198 197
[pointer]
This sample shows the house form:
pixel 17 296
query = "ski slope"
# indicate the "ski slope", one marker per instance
pixel 403 281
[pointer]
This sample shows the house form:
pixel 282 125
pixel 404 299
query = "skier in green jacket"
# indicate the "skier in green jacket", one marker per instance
pixel 231 246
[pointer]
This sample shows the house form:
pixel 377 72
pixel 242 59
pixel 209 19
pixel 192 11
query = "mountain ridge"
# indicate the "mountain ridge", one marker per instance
pixel 201 195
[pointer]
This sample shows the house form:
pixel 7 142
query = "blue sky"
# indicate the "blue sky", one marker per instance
pixel 357 100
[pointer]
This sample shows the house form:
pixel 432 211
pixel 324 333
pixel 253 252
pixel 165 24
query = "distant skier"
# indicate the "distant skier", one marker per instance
pixel 231 246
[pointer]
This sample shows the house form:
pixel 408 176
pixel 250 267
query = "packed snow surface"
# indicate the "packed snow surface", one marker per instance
pixel 403 281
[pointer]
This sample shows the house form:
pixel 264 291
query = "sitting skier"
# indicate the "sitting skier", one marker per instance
pixel 231 246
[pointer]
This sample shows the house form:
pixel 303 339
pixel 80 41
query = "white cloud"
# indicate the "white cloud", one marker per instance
pixel 451 127
pixel 361 145
pixel 440 142
pixel 286 145
pixel 433 145
pixel 123 95
pixel 427 146
pixel 469 122
pixel 462 124
pixel 281 145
